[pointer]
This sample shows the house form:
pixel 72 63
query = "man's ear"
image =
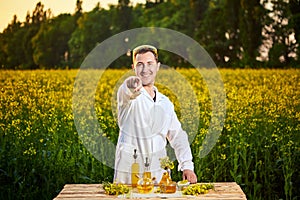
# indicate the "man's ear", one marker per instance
pixel 132 66
pixel 158 65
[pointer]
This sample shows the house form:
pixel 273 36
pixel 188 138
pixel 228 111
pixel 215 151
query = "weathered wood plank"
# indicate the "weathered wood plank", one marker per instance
pixel 222 191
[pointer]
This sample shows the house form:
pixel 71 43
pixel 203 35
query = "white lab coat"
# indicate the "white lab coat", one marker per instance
pixel 145 125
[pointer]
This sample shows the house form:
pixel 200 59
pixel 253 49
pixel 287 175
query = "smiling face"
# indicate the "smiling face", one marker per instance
pixel 146 67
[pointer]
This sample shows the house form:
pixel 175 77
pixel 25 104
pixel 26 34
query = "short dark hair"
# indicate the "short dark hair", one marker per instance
pixel 144 49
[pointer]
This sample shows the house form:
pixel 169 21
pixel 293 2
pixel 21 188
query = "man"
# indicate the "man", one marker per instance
pixel 146 118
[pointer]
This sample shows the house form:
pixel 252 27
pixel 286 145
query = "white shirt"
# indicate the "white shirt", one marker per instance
pixel 145 125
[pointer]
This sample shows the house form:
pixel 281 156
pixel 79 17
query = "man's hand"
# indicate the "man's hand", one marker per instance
pixel 189 175
pixel 134 83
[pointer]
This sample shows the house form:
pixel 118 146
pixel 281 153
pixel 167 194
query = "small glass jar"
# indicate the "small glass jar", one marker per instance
pixel 169 188
pixel 145 185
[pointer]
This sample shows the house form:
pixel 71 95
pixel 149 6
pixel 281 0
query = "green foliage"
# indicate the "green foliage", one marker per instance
pixel 92 29
pixel 251 26
pixel 211 33
pixel 40 150
pixel 234 32
pixel 39 147
pixel 281 26
pixel 49 47
pixel 12 51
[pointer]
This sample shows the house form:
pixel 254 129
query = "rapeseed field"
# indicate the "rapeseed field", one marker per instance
pixel 259 146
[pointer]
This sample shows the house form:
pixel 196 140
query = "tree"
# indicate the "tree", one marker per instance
pixel 37 18
pixel 50 44
pixel 78 9
pixel 211 33
pixel 197 10
pixel 173 15
pixel 39 15
pixel 3 54
pixel 11 50
pixel 294 6
pixel 231 31
pixel 280 29
pixel 233 13
pixel 93 28
pixel 121 16
pixel 251 25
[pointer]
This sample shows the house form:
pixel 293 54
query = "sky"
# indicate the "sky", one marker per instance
pixel 9 8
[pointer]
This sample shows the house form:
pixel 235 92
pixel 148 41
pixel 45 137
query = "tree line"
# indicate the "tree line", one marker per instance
pixel 236 33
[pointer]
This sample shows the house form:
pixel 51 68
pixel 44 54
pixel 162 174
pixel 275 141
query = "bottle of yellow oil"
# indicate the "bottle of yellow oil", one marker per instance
pixel 147 172
pixel 135 170
pixel 146 183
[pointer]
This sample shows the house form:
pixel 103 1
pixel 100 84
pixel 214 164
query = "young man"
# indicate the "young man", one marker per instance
pixel 146 119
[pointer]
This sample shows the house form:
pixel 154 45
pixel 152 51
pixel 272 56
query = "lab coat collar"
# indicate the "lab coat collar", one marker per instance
pixel 158 94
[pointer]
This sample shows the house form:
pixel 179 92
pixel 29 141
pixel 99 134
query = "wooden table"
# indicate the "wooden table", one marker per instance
pixel 226 190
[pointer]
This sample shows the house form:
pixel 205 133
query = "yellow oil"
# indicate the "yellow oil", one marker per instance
pixel 135 169
pixel 145 188
pixel 170 189
pixel 147 175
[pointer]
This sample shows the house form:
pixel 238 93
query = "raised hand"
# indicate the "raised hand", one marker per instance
pixel 134 83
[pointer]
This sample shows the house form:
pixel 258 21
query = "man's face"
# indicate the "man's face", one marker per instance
pixel 146 68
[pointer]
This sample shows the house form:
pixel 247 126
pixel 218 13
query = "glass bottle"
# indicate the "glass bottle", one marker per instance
pixel 135 170
pixel 147 173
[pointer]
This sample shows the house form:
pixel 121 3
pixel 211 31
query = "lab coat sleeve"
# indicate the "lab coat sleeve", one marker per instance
pixel 125 96
pixel 179 142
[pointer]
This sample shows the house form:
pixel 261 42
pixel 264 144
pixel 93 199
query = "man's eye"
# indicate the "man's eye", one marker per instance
pixel 151 64
pixel 139 65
